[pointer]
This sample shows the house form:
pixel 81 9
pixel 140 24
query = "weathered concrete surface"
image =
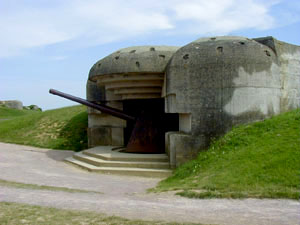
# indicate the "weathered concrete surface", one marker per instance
pixel 212 83
pixel 289 59
pixel 137 59
pixel 125 196
pixel 103 129
pixel 129 73
pixel 220 82
pixel 94 93
pixel 14 104
pixel 180 146
pixel 101 135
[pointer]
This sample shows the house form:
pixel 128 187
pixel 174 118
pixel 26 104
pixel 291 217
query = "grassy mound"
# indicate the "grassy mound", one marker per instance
pixel 260 160
pixel 63 128
pixel 8 113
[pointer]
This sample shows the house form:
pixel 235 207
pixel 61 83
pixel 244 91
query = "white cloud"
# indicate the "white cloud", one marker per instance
pixel 90 22
pixel 224 16
pixel 24 26
pixel 29 28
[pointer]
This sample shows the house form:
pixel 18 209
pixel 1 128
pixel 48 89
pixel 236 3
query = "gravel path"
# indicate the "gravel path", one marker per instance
pixel 125 195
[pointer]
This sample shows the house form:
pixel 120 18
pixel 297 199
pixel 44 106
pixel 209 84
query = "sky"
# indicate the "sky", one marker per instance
pixel 53 43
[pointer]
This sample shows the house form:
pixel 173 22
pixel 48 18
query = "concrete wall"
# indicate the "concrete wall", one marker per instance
pixel 289 60
pixel 136 72
pixel 13 104
pixel 212 83
pixel 216 83
pixel 103 129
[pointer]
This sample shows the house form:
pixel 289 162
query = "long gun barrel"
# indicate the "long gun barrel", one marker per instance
pixel 100 107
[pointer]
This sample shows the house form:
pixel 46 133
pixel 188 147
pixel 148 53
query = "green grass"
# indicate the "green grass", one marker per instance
pixel 64 128
pixel 7 113
pixel 16 214
pixel 260 160
pixel 13 184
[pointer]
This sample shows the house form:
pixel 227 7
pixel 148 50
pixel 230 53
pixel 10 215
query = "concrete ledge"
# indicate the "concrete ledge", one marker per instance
pixel 102 135
pixel 121 170
pixel 106 153
pixel 113 163
pixel 183 147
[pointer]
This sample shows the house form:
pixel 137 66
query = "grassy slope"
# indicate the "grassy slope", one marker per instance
pixel 63 128
pixel 7 113
pixel 260 160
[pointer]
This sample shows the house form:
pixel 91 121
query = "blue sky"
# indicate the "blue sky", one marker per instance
pixel 53 43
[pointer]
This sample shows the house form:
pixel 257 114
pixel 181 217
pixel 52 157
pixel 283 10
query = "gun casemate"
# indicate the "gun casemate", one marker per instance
pixel 148 133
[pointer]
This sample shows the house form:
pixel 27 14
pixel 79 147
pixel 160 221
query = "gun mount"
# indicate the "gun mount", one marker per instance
pixel 147 135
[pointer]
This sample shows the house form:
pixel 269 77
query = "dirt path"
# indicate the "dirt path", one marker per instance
pixel 124 195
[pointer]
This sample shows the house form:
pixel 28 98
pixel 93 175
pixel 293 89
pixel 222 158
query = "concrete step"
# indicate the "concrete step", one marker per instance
pixel 81 164
pixel 121 170
pixel 108 163
pixel 107 153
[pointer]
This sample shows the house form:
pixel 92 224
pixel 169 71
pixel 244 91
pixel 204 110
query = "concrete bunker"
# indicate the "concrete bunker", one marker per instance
pixel 131 80
pixel 202 89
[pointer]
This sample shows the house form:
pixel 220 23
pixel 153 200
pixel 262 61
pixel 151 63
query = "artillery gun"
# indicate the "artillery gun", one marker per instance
pixel 148 133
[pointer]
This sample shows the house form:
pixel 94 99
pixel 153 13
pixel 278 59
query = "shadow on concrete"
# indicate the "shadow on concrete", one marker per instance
pixel 59 155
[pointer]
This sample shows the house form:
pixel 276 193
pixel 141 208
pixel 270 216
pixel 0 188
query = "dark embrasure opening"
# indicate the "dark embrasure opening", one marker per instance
pixel 153 109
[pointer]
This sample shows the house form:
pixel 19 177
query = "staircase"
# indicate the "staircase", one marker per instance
pixel 108 159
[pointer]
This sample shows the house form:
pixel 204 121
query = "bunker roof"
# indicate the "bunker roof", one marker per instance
pixel 223 52
pixel 138 59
